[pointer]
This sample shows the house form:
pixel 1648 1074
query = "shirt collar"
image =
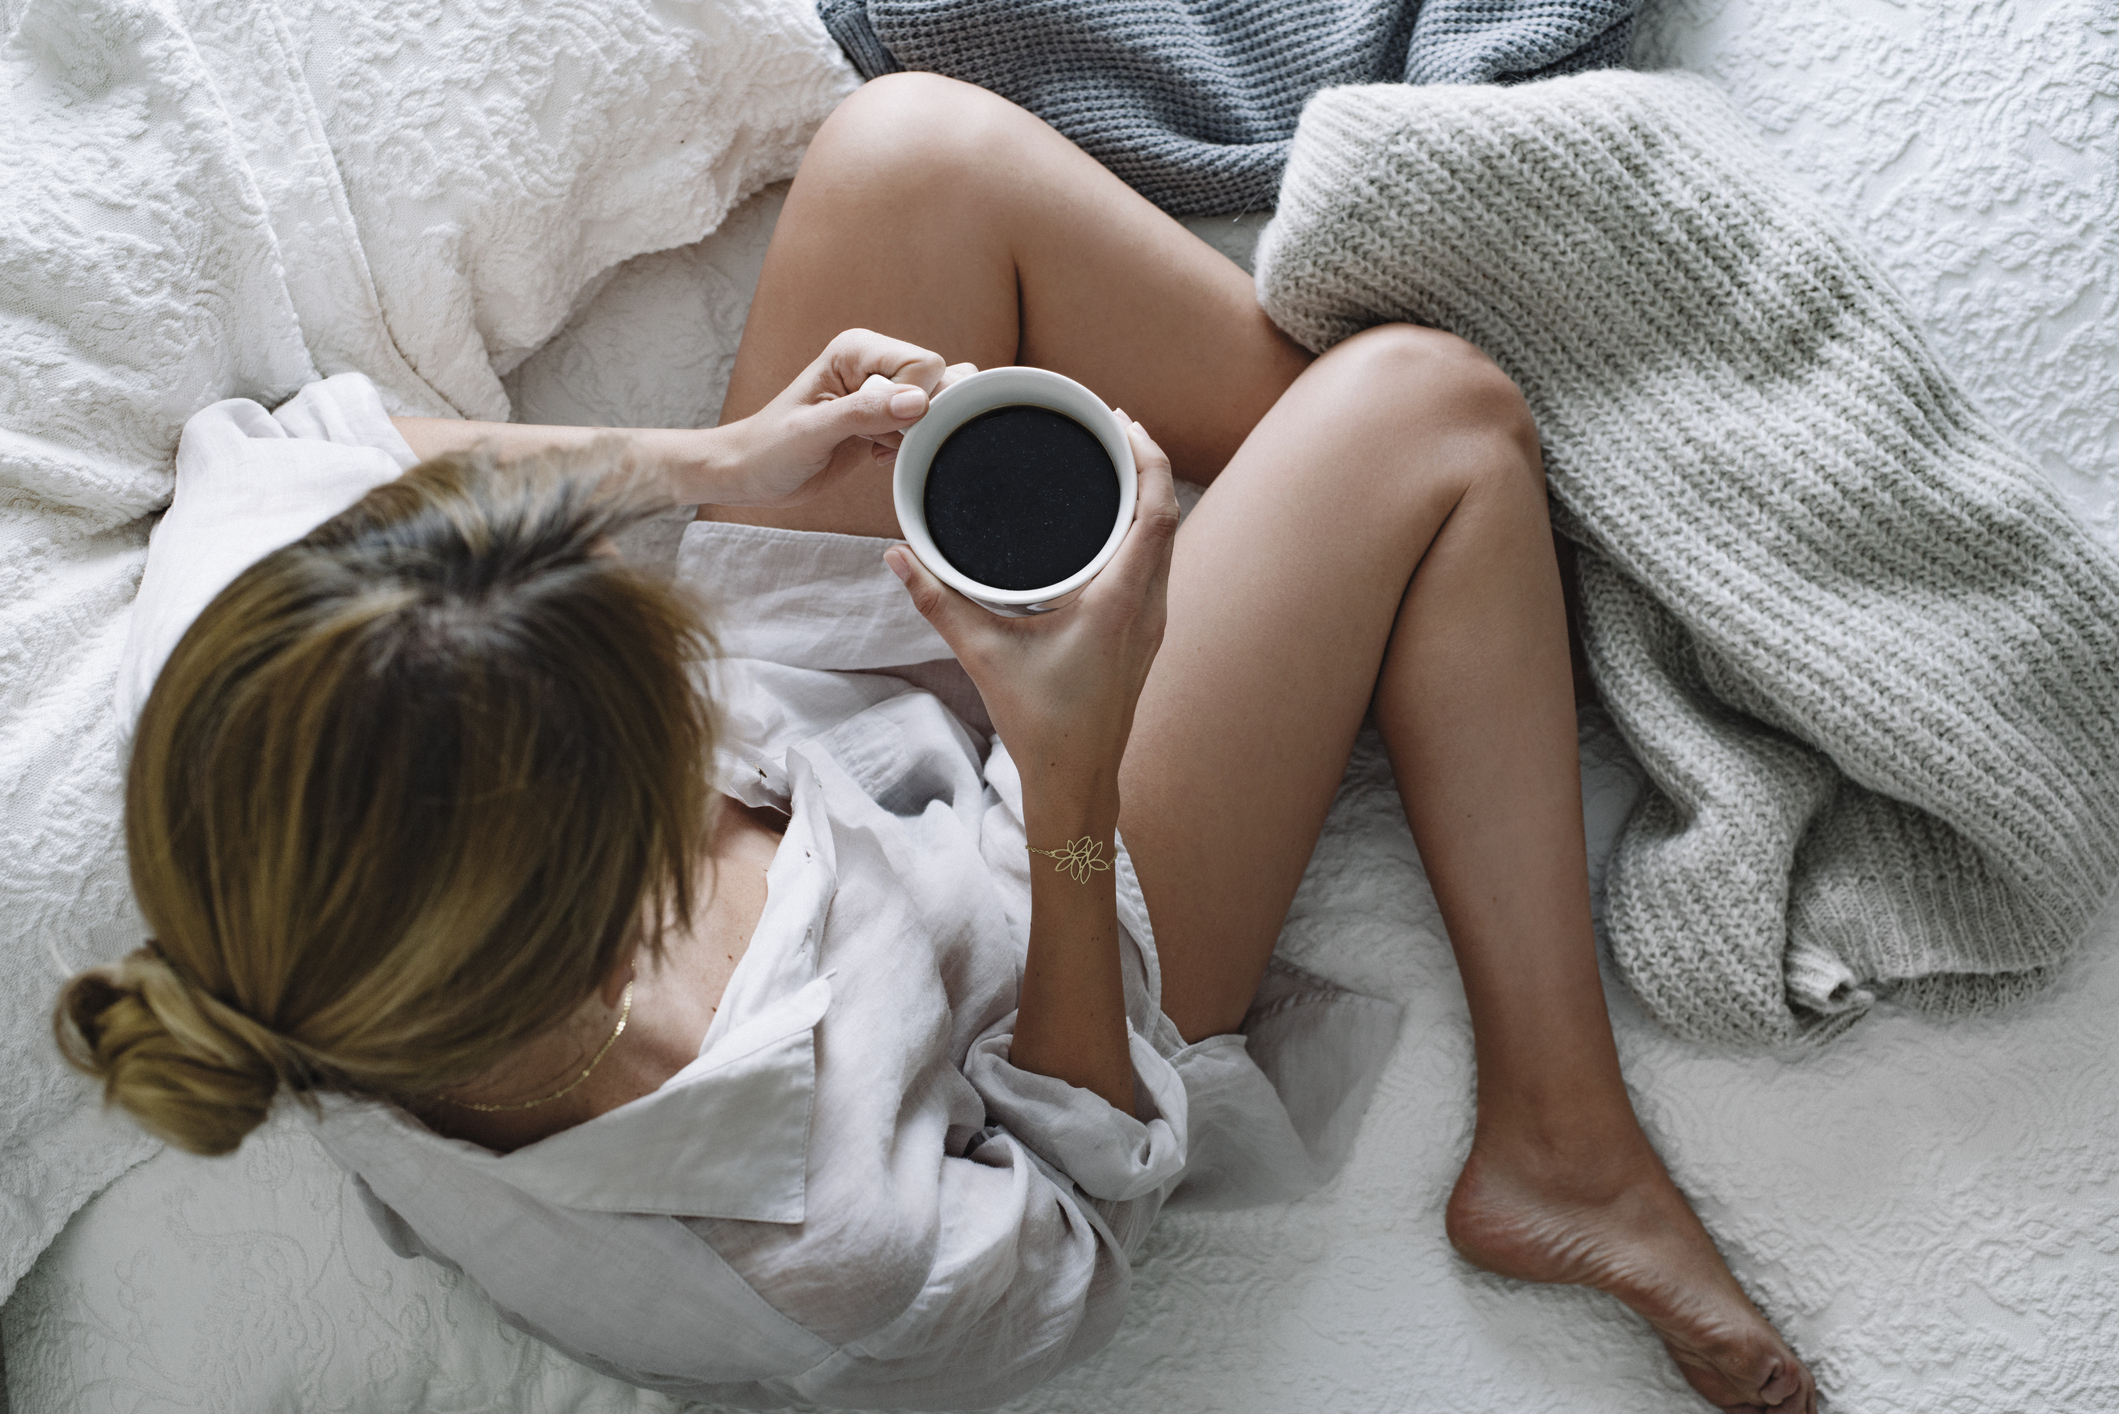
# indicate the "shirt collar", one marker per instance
pixel 725 1137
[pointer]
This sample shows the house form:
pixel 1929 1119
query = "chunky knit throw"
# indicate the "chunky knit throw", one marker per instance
pixel 1193 101
pixel 1867 656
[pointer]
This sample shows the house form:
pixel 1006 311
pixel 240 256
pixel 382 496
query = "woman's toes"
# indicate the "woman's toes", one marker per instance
pixel 1640 1241
pixel 1786 1379
pixel 1734 1393
pixel 1786 1389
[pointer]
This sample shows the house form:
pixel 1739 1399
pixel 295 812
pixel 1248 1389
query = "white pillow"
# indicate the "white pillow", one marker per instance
pixel 500 160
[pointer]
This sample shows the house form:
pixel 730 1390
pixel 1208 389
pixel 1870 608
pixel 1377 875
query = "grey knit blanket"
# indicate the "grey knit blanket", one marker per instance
pixel 1867 656
pixel 1193 101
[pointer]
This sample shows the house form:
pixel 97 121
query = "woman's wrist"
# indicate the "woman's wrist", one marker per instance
pixel 696 464
pixel 1066 805
pixel 1071 1010
pixel 710 465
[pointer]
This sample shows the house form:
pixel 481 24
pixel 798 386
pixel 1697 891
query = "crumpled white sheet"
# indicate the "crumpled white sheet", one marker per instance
pixel 216 198
pixel 1928 1208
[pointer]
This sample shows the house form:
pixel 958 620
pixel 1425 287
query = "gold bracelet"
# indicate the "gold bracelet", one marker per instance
pixel 1080 858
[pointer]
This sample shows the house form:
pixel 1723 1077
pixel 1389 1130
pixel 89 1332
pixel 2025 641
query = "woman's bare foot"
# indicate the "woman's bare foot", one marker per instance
pixel 1617 1223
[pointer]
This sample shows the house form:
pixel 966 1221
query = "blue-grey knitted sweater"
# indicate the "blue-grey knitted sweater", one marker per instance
pixel 1193 102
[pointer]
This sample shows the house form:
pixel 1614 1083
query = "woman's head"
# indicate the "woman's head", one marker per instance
pixel 405 794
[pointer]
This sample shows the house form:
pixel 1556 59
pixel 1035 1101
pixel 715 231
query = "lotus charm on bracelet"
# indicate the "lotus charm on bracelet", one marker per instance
pixel 1079 859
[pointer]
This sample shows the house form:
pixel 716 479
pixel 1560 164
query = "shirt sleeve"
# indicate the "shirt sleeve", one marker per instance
pixel 247 483
pixel 1112 1155
pixel 1038 1224
pixel 1028 1277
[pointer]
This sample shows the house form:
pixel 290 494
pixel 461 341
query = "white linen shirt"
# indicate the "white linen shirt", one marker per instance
pixel 851 1197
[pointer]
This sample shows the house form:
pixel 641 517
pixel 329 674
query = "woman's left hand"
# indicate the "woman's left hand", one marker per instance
pixel 1061 686
pixel 846 412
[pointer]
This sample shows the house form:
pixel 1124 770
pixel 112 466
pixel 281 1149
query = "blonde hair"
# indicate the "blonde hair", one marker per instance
pixel 404 796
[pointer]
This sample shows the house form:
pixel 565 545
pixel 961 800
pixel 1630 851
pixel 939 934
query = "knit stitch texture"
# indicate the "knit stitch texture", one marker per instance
pixel 1867 656
pixel 1193 102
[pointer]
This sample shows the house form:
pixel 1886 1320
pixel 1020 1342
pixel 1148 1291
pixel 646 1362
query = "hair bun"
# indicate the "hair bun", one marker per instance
pixel 188 1068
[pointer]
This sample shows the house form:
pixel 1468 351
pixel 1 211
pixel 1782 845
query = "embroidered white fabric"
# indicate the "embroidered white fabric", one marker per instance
pixel 1926 1207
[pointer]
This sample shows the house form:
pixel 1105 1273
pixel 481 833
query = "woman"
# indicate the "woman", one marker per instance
pixel 397 842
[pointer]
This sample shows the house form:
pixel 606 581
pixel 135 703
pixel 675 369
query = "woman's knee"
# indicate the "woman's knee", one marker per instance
pixel 1441 389
pixel 913 134
pixel 1452 418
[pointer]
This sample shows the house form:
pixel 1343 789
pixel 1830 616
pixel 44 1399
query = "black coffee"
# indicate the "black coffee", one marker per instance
pixel 1021 497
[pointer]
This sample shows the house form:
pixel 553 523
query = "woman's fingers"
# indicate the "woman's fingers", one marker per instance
pixel 878 409
pixel 855 356
pixel 960 622
pixel 885 405
pixel 1158 487
pixel 1141 568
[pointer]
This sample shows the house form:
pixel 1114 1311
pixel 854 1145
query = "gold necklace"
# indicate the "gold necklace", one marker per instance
pixel 624 1011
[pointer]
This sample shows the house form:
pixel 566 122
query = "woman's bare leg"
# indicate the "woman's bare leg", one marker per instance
pixel 935 212
pixel 1381 536
pixel 1384 530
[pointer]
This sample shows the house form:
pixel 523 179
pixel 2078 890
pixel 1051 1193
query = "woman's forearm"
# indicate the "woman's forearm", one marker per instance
pixel 698 464
pixel 1061 689
pixel 1071 1018
pixel 845 413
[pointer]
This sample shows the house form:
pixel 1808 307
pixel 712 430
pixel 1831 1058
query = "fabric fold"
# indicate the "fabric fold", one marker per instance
pixel 1110 1154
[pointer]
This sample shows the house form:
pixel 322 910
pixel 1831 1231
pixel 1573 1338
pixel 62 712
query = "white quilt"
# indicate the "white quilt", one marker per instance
pixel 1928 1209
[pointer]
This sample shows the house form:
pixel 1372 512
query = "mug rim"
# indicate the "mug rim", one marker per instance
pixel 988 390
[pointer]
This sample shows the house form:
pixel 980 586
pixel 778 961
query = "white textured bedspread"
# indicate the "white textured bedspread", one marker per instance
pixel 1931 1210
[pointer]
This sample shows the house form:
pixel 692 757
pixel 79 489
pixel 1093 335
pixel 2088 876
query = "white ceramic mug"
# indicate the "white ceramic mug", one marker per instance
pixel 983 392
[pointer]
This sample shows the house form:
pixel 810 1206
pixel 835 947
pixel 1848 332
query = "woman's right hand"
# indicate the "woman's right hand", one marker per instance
pixel 1061 686
pixel 843 415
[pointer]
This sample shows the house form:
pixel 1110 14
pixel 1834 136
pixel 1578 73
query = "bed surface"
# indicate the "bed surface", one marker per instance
pixel 1930 1211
